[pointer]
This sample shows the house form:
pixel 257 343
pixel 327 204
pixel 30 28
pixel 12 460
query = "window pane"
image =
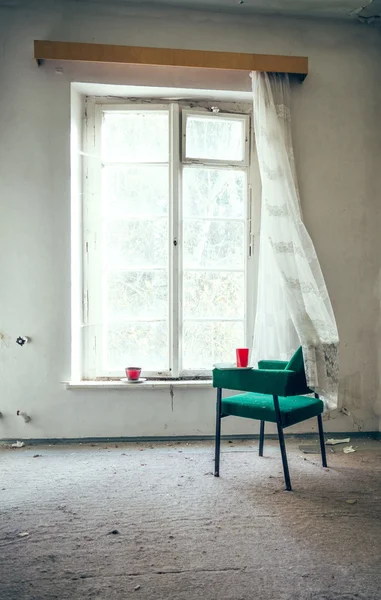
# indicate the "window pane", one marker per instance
pixel 135 136
pixel 213 244
pixel 215 138
pixel 205 343
pixel 136 244
pixel 134 239
pixel 139 190
pixel 213 295
pixel 214 192
pixel 139 295
pixel 141 344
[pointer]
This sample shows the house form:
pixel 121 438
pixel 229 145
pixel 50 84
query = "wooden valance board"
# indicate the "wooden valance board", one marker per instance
pixel 169 57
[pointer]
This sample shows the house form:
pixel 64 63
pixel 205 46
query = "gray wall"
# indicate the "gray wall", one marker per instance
pixel 337 141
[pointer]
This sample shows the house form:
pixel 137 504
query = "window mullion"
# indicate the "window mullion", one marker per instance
pixel 254 198
pixel 174 241
pixel 92 243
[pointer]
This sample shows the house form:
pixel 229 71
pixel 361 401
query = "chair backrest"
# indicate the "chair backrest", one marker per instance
pixel 296 362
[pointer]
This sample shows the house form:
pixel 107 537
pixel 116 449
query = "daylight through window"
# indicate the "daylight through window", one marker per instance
pixel 166 237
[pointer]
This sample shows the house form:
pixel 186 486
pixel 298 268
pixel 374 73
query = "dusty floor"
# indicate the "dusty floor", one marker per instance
pixel 181 533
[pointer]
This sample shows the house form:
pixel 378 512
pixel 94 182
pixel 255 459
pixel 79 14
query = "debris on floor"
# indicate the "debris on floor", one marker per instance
pixel 18 445
pixel 137 587
pixel 351 501
pixel 37 455
pixel 23 534
pixel 113 532
pixel 309 448
pixel 333 442
pixel 348 449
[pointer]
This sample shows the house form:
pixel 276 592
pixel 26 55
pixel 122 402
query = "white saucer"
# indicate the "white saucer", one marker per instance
pixel 231 367
pixel 140 380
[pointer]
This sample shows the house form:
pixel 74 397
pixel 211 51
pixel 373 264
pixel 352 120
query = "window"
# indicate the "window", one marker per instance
pixel 166 238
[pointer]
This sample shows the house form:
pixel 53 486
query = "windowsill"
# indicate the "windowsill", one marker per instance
pixel 146 385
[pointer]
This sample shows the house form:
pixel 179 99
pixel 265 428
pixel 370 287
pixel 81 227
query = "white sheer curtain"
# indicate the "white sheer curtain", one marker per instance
pixel 293 306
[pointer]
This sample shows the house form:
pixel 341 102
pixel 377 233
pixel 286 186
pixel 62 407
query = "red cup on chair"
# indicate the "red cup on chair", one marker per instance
pixel 242 357
pixel 133 373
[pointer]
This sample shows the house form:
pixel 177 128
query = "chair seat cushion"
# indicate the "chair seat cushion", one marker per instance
pixel 261 406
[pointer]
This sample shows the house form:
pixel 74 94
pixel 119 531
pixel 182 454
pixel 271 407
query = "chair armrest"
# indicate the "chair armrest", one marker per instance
pixel 261 381
pixel 276 365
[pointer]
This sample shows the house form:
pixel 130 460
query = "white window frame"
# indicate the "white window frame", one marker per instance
pixel 215 163
pixel 92 328
pixel 244 163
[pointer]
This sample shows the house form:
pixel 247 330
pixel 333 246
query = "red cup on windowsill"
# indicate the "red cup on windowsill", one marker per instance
pixel 242 357
pixel 133 373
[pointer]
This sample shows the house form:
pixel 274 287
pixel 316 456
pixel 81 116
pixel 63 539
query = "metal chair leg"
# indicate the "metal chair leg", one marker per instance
pixel 322 442
pixel 321 438
pixel 261 437
pixel 218 434
pixel 282 444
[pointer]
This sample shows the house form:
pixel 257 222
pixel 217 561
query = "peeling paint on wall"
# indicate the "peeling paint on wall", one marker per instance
pixel 4 340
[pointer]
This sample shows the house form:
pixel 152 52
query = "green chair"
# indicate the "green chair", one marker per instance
pixel 275 393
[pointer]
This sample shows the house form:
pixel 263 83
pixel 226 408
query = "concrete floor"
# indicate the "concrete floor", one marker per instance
pixel 183 534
